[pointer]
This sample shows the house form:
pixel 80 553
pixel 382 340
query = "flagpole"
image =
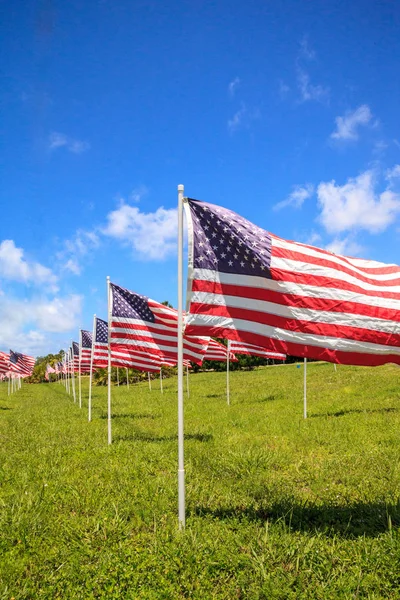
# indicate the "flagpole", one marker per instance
pixel 117 377
pixel 181 463
pixel 72 371
pixel 161 384
pixel 187 380
pixel 67 375
pixel 228 399
pixel 91 370
pixel 148 373
pixel 305 389
pixel 80 384
pixel 109 363
pixel 127 377
pixel 9 386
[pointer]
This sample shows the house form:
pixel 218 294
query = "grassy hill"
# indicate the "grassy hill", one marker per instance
pixel 278 506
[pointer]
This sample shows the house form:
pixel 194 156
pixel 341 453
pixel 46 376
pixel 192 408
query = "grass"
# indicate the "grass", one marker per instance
pixel 277 506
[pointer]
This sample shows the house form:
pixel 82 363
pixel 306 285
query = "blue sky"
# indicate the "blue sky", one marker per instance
pixel 287 113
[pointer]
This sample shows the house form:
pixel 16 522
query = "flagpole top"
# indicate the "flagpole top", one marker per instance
pixel 181 188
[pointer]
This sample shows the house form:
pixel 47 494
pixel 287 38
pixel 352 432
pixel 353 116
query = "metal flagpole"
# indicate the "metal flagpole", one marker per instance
pixel 305 388
pixel 181 462
pixel 72 372
pixel 80 358
pixel 109 362
pixel 9 385
pixel 67 375
pixel 161 385
pixel 334 366
pixel 228 399
pixel 187 380
pixel 91 370
pixel 149 380
pixel 127 377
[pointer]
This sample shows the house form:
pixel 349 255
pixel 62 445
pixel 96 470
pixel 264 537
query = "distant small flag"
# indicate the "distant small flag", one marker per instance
pixel 49 369
pixel 21 364
pixel 86 348
pixel 218 352
pixel 4 362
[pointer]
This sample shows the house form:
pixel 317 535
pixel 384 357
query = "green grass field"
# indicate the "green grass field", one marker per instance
pixel 277 506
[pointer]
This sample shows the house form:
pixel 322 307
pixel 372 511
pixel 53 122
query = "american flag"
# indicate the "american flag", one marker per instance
pixel 86 348
pixel 243 348
pixel 21 363
pixel 4 362
pixel 75 354
pixel 217 351
pixel 250 285
pixel 120 356
pixel 142 323
pixel 49 369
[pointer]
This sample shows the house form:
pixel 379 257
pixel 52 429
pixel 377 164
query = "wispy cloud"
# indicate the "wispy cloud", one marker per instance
pixel 297 197
pixel 233 85
pixel 305 50
pixel 82 244
pixel 60 140
pixel 309 91
pixel 345 246
pixel 347 127
pixel 242 118
pixel 283 89
pixel 393 175
pixel 15 267
pixel 357 205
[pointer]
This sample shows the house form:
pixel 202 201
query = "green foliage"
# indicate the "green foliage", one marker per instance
pixel 39 369
pixel 278 507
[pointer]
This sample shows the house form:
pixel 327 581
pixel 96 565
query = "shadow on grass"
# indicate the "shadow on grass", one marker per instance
pixel 148 437
pixel 348 521
pixel 214 395
pixel 5 408
pixel 132 416
pixel 269 398
pixel 350 411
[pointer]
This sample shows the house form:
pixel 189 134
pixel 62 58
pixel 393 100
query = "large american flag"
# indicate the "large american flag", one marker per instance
pixel 22 364
pixel 249 349
pixel 247 284
pixel 75 354
pixel 86 348
pixel 120 356
pixel 142 323
pixel 218 352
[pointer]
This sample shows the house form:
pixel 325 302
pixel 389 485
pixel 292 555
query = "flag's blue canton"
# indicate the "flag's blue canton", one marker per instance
pixel 228 243
pixel 101 331
pixel 14 357
pixel 86 338
pixel 130 305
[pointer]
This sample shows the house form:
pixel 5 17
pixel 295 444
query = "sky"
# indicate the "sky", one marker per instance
pixel 285 112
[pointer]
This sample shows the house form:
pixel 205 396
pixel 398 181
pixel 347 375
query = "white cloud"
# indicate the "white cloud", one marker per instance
pixel 153 236
pixel 60 140
pixel 82 244
pixel 34 325
pixel 345 246
pixel 242 118
pixel 393 174
pixel 356 205
pixel 305 50
pixel 309 91
pixel 15 267
pixel 284 89
pixel 233 85
pixel 347 126
pixel 297 197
